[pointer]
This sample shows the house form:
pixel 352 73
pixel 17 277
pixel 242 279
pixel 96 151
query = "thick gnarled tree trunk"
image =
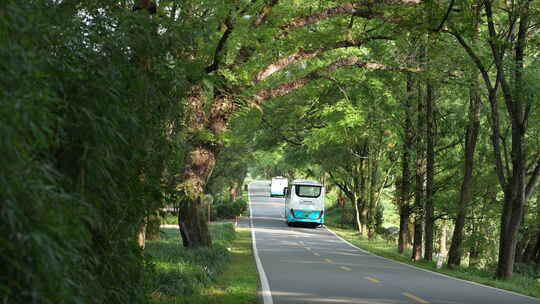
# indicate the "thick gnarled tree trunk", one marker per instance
pixel 192 220
pixel 199 163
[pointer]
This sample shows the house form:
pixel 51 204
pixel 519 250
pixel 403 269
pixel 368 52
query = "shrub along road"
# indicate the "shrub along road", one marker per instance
pixel 305 265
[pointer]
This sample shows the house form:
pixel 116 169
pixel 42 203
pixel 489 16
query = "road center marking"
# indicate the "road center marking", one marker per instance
pixel 315 253
pixel 308 249
pixel 373 280
pixel 417 299
pixel 345 268
pixel 302 243
pixel 329 261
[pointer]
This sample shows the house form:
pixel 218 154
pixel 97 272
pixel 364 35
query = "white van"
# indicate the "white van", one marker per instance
pixel 278 185
pixel 304 202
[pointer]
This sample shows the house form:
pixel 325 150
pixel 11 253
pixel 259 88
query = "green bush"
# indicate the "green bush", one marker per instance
pixel 82 149
pixel 228 209
pixel 529 270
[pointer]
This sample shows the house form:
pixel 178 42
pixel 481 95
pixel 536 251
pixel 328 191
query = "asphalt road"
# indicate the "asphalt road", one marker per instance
pixel 306 265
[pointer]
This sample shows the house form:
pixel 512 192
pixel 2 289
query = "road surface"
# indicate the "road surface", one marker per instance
pixel 306 265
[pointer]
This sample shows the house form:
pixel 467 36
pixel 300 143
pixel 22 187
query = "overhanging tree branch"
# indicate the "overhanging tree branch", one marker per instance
pixel 308 54
pixel 360 8
pixel 354 61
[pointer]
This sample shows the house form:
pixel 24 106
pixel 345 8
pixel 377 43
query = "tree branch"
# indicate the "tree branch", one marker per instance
pixel 353 8
pixel 446 16
pixel 308 54
pixel 218 54
pixel 343 186
pixel 474 58
pixel 288 87
pixel 498 53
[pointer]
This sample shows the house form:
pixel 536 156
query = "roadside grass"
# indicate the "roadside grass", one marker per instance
pixel 226 273
pixel 519 283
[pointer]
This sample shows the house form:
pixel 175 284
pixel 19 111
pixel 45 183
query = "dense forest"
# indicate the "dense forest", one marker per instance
pixel 112 110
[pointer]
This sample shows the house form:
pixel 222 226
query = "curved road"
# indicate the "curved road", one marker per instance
pixel 305 265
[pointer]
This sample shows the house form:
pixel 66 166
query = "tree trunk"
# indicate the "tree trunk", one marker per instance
pixel 537 261
pixel 341 200
pixel 363 216
pixel 471 137
pixel 405 185
pixel 522 244
pixel 233 191
pixel 537 250
pixel 403 240
pixel 153 226
pixel 430 172
pixel 442 245
pixel 341 204
pixel 354 202
pixel 419 191
pixel 191 216
pixel 373 181
pixel 513 96
pixel 474 255
pixel 199 162
pixel 532 248
pixel 141 235
pixel 362 198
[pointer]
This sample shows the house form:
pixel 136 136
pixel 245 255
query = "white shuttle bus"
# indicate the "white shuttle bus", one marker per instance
pixel 304 202
pixel 278 185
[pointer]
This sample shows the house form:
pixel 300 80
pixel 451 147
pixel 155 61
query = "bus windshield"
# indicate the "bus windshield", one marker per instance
pixel 308 191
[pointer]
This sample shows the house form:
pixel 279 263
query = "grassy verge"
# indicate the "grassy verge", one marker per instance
pixel 226 273
pixel 519 283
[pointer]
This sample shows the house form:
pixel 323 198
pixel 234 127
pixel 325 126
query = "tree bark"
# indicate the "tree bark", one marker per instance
pixel 513 185
pixel 373 203
pixel 419 190
pixel 153 222
pixel 356 214
pixel 405 185
pixel 191 216
pixel 514 198
pixel 471 137
pixel 362 194
pixel 430 173
pixel 141 235
pixel 199 163
pixel 233 191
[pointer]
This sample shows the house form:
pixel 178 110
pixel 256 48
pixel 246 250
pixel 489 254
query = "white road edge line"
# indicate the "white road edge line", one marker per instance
pixel 432 272
pixel 265 287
